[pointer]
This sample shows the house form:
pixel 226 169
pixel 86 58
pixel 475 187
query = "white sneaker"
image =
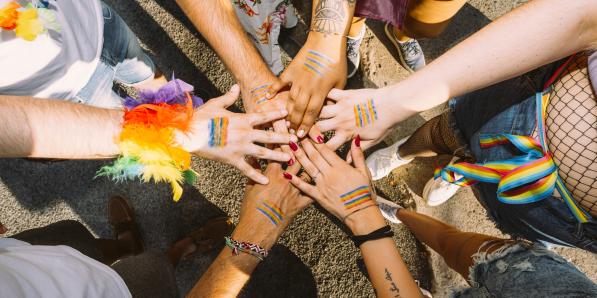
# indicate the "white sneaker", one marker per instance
pixel 383 161
pixel 388 209
pixel 410 52
pixel 437 191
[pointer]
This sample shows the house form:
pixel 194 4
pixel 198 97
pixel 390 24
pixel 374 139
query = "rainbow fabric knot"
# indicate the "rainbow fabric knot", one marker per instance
pixel 30 21
pixel 147 145
pixel 356 197
pixel 523 179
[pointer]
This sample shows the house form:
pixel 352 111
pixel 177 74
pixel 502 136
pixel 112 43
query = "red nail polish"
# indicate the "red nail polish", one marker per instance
pixel 357 141
pixel 287 176
pixel 291 162
pixel 320 139
pixel 293 146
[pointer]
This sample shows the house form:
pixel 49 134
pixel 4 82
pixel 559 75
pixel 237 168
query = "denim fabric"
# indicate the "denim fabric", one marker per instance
pixel 509 107
pixel 122 60
pixel 524 271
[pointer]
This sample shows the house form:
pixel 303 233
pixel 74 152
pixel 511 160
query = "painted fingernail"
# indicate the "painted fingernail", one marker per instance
pixel 293 138
pixel 357 141
pixel 292 131
pixel 287 176
pixel 293 146
pixel 320 139
pixel 301 133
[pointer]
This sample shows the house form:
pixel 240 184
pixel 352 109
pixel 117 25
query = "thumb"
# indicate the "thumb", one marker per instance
pixel 282 82
pixel 229 98
pixel 336 94
pixel 358 157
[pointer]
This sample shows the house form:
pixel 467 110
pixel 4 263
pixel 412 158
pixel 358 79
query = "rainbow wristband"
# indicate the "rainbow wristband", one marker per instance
pixel 148 149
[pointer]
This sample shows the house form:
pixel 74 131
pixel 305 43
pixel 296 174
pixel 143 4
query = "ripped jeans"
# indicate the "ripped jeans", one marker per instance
pixel 522 269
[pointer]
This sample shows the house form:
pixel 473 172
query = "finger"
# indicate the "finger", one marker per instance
pixel 329 155
pixel 229 98
pixel 280 127
pixel 284 80
pixel 298 110
pixel 302 158
pixel 311 114
pixel 329 111
pixel 315 157
pixel 270 137
pixel 303 186
pixel 264 153
pixel 252 173
pixel 358 157
pixel 265 117
pixel 336 94
pixel 337 140
pixel 327 125
pixel 316 135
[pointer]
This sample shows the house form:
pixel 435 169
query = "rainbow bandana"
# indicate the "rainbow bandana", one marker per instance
pixel 146 142
pixel 356 197
pixel 272 212
pixel 28 21
pixel 527 178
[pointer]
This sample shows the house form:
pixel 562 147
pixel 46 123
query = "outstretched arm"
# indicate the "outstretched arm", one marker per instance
pixel 43 128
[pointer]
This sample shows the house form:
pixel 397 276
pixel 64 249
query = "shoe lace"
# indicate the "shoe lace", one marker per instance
pixel 411 47
pixel 352 49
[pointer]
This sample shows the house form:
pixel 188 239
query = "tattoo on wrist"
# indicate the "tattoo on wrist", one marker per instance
pixel 272 212
pixel 317 63
pixel 258 93
pixel 330 17
pixel 356 197
pixel 393 288
pixel 218 132
pixel 365 113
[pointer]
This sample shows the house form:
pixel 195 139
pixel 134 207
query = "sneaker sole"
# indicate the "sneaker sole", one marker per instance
pixel 390 34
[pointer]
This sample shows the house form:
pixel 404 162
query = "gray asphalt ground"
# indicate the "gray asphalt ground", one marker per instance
pixel 314 257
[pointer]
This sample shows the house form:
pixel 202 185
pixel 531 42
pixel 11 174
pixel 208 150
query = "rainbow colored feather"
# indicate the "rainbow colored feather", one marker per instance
pixel 146 142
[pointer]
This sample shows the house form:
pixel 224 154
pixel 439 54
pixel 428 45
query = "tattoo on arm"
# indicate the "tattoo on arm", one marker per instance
pixel 365 113
pixel 356 197
pixel 329 17
pixel 393 288
pixel 218 132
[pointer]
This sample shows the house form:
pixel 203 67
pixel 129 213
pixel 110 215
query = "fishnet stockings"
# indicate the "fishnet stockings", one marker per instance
pixel 435 137
pixel 571 129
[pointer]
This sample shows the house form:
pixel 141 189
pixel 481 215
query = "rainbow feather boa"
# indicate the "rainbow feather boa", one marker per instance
pixel 147 145
pixel 27 21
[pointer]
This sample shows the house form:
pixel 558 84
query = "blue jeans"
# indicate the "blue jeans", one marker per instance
pixel 509 107
pixel 524 270
pixel 122 60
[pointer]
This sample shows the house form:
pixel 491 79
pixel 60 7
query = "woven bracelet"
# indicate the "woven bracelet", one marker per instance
pixel 246 247
pixel 383 232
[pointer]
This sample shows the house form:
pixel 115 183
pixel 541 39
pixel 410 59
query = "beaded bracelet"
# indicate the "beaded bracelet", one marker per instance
pixel 147 140
pixel 246 247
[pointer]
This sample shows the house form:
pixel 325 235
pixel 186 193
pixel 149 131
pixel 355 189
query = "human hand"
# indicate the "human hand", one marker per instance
pixel 269 209
pixel 228 137
pixel 343 190
pixel 362 112
pixel 319 66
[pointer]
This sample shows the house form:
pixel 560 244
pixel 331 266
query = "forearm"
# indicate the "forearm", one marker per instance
pixel 43 128
pixel 533 35
pixel 331 20
pixel 217 22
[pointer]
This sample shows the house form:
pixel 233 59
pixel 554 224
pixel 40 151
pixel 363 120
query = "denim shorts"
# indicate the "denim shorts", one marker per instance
pixel 525 270
pixel 122 60
pixel 509 107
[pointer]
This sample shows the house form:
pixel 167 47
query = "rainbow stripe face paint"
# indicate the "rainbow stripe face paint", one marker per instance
pixel 271 212
pixel 365 113
pixel 356 197
pixel 258 94
pixel 218 132
pixel 317 63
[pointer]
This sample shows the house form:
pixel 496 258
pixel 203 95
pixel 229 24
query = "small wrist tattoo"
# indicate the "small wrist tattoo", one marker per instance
pixel 218 132
pixel 356 197
pixel 272 212
pixel 317 63
pixel 365 113
pixel 258 93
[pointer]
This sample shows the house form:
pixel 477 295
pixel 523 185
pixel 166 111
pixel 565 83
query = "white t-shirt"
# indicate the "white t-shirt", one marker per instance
pixel 55 64
pixel 54 271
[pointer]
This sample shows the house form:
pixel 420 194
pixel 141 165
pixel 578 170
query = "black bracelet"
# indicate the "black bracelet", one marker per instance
pixel 382 232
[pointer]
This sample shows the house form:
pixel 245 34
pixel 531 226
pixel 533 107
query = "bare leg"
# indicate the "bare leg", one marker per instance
pixel 455 246
pixel 355 27
pixel 435 137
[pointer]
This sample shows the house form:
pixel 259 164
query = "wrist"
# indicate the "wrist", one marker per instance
pixel 257 232
pixel 365 221
pixel 418 93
